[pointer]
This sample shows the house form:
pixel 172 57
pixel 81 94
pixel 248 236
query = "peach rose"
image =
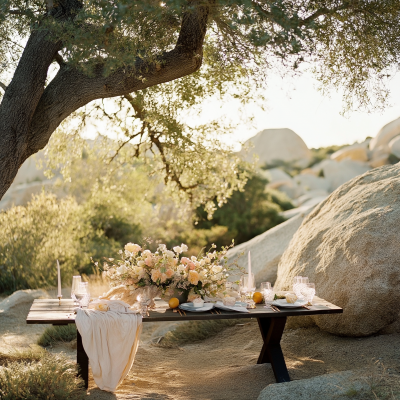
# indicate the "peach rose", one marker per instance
pixel 163 278
pixel 185 260
pixel 149 261
pixel 155 275
pixel 130 281
pixel 169 273
pixel 193 277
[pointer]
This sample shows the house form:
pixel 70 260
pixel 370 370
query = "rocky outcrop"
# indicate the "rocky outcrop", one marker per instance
pixel 394 146
pixel 337 173
pixel 273 145
pixel 355 152
pixel 22 296
pixel 330 386
pixel 267 249
pixel 349 246
pixel 386 134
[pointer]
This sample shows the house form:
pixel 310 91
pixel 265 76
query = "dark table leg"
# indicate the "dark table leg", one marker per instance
pixel 271 352
pixel 82 360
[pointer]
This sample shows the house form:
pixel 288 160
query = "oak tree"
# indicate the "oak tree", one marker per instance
pixel 119 48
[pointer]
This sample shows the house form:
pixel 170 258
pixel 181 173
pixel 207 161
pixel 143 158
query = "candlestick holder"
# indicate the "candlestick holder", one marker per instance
pixel 59 300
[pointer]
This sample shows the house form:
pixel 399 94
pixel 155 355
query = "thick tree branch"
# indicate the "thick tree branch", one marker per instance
pixel 71 89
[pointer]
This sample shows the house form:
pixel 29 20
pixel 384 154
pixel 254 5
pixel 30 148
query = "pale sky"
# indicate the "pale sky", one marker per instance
pixel 297 104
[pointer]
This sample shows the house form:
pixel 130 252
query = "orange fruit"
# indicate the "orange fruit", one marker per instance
pixel 257 297
pixel 173 302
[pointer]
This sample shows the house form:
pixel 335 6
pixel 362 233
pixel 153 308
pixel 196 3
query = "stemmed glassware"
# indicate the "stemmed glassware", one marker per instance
pixel 76 280
pixel 82 294
pixel 268 293
pixel 299 283
pixel 308 290
pixel 246 288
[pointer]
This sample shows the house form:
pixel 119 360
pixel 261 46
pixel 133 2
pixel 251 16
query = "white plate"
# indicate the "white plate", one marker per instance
pixel 284 303
pixel 190 307
pixel 237 307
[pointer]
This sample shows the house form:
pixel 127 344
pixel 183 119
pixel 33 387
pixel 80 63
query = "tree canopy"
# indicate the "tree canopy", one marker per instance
pixel 59 56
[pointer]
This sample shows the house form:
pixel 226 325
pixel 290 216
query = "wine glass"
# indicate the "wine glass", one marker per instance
pixel 247 284
pixel 76 280
pixel 268 293
pixel 83 295
pixel 308 291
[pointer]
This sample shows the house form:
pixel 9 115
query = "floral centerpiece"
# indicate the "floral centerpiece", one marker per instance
pixel 168 272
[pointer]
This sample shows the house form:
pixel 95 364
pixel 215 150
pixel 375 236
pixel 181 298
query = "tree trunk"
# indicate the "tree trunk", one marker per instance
pixel 31 112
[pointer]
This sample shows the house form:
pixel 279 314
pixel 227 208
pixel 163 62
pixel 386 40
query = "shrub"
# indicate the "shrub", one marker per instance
pixel 52 377
pixel 33 237
pixel 61 333
pixel 247 214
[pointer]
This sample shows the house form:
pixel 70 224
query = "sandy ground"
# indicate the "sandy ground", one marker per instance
pixel 222 367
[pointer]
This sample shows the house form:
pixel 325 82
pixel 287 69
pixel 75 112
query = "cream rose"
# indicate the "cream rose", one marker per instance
pixel 132 247
pixel 122 269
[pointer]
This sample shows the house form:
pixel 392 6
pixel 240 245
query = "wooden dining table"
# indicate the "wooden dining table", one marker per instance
pixel 270 322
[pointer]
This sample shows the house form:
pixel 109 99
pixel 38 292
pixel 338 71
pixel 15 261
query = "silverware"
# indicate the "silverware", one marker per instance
pixel 307 308
pixel 179 311
pixel 183 311
pixel 147 311
pixel 276 309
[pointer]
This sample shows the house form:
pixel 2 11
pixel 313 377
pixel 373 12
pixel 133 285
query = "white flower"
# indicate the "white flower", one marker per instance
pixel 169 253
pixel 146 252
pixel 193 258
pixel 207 260
pixel 177 250
pixel 184 247
pixel 141 263
pixel 162 247
pixel 216 269
pixel 122 269
pixel 202 262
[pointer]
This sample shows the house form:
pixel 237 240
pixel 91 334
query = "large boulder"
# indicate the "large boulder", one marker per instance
pixel 330 386
pixel 337 173
pixel 20 297
pixel 355 152
pixel 273 145
pixel 276 177
pixel 308 182
pixel 380 156
pixel 386 134
pixel 349 246
pixel 266 249
pixel 394 146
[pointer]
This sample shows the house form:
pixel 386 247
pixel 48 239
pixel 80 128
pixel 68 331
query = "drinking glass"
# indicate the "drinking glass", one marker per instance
pixel 268 292
pixel 308 291
pixel 299 285
pixel 83 295
pixel 247 284
pixel 76 280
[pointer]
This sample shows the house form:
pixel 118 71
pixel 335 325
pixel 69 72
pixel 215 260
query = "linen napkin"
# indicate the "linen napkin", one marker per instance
pixel 110 340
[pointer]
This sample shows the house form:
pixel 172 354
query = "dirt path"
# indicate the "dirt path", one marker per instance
pixel 222 367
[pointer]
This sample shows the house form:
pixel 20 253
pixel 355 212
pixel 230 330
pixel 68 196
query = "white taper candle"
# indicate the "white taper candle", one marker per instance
pixel 249 281
pixel 59 279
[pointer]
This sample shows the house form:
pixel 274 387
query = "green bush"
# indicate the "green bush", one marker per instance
pixel 247 214
pixel 32 238
pixel 61 333
pixel 52 377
